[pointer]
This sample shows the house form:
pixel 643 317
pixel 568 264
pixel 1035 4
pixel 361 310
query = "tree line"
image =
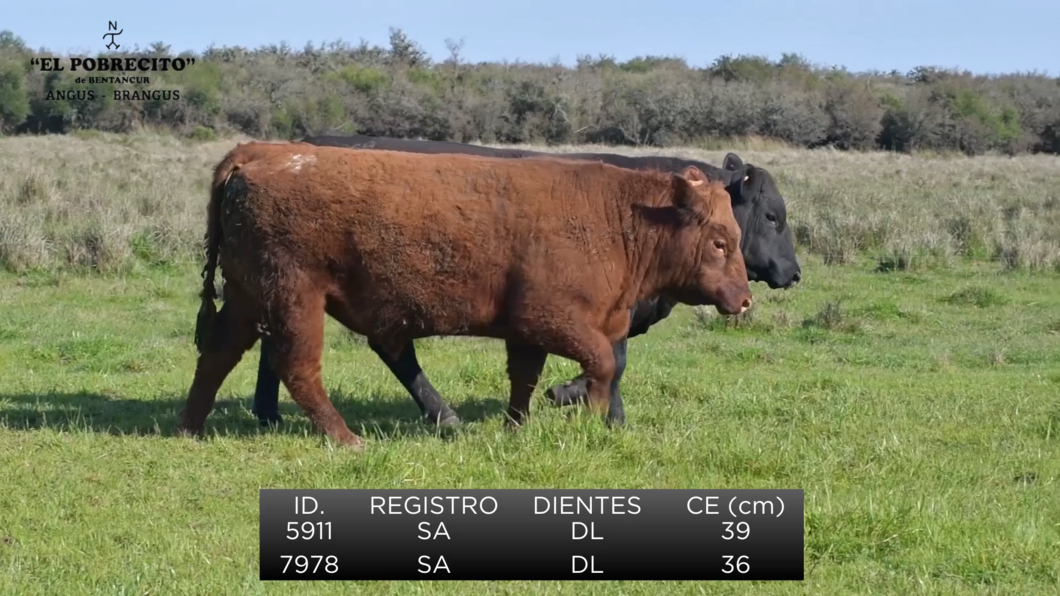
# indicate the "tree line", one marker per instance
pixel 276 91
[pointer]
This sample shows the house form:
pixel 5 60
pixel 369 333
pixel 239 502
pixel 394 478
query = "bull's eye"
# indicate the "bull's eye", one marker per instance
pixel 772 219
pixel 719 245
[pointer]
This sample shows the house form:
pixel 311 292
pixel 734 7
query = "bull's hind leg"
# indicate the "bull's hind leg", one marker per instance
pixel 233 332
pixel 525 363
pixel 298 340
pixel 406 367
pixel 267 389
pixel 403 364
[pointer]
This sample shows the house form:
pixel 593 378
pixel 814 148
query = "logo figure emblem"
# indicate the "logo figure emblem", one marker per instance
pixel 112 25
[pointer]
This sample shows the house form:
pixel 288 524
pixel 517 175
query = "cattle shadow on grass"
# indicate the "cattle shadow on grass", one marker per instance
pixel 385 417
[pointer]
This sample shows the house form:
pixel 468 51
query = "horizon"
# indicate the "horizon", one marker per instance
pixel 823 32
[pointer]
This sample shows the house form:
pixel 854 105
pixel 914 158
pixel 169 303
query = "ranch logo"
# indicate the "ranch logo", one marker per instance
pixel 117 66
pixel 112 25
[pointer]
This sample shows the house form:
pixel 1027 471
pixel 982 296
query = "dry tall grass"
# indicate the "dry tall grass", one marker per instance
pixel 109 203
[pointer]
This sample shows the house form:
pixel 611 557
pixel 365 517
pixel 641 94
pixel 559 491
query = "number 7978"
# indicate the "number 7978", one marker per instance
pixel 302 562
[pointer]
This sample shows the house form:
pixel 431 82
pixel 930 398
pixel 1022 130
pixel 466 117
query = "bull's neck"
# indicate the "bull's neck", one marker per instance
pixel 646 238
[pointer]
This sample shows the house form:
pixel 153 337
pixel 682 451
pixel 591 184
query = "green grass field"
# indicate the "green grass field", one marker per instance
pixel 920 413
pixel 919 409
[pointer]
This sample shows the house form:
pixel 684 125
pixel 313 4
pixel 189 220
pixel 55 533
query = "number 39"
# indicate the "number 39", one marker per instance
pixel 742 566
pixel 743 528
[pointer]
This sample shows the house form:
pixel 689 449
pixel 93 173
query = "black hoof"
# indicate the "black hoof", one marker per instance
pixel 276 421
pixel 567 394
pixel 270 419
pixel 446 420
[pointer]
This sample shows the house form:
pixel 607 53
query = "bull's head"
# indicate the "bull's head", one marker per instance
pixel 706 245
pixel 767 246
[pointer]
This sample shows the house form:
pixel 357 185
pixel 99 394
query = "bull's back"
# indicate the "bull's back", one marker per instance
pixel 416 146
pixel 403 196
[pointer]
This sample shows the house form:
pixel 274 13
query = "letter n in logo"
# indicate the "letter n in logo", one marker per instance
pixel 111 26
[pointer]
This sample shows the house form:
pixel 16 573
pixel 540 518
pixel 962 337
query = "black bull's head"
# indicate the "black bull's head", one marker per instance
pixel 767 245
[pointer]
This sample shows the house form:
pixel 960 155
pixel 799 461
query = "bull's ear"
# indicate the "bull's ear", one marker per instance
pixel 741 187
pixel 688 202
pixel 752 179
pixel 694 176
pixel 732 162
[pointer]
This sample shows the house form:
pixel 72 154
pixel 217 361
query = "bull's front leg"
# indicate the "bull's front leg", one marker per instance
pixel 590 348
pixel 576 391
pixel 596 355
pixel 569 392
pixel 616 413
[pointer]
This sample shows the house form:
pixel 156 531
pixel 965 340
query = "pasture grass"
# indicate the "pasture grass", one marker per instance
pixel 910 385
pixel 110 203
pixel 920 412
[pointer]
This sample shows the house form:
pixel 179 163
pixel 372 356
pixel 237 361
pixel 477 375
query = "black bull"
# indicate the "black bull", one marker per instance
pixel 767 247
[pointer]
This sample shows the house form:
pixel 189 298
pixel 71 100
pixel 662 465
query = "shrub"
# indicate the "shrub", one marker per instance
pixel 397 90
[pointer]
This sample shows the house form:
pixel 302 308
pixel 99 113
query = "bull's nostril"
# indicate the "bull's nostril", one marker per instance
pixel 746 303
pixel 796 278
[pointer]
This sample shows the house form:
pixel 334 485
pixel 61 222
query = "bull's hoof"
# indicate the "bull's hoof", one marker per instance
pixel 567 394
pixel 348 440
pixel 189 431
pixel 446 417
pixel 274 420
pixel 267 418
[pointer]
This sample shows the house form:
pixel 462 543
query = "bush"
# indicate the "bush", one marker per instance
pixel 14 101
pixel 276 91
pixel 203 133
pixel 854 114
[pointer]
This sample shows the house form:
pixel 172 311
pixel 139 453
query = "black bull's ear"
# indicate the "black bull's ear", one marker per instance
pixel 732 162
pixel 745 184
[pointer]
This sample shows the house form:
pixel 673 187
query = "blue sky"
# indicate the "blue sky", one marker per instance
pixel 981 36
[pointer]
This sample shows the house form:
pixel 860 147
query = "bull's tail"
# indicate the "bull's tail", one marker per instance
pixel 207 310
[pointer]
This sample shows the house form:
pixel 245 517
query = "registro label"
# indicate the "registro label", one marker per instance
pixel 529 534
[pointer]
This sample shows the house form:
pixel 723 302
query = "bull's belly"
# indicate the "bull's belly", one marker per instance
pixel 392 317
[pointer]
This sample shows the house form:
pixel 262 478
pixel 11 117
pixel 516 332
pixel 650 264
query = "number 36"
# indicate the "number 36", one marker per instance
pixel 742 566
